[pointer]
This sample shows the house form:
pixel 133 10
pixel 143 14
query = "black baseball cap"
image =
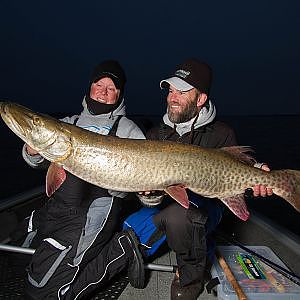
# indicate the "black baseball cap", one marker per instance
pixel 190 74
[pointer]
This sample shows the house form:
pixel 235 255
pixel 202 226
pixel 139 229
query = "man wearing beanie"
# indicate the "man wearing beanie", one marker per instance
pixel 77 247
pixel 191 119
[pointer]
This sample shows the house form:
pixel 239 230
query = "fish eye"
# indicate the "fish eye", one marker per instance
pixel 36 120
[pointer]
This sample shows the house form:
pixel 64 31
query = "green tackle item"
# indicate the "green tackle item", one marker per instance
pixel 250 266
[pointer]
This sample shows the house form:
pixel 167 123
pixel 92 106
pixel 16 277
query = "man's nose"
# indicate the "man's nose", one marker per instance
pixel 103 91
pixel 172 97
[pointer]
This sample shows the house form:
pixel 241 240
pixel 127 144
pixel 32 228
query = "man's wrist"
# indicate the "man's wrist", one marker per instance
pixel 259 165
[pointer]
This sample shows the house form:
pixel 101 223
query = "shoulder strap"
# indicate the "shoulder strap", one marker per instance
pixel 75 120
pixel 114 129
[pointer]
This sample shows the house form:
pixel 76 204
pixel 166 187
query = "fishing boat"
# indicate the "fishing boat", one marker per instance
pixel 233 235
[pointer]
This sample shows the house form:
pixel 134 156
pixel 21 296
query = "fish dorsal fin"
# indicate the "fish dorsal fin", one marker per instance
pixel 55 177
pixel 239 153
pixel 178 193
pixel 237 205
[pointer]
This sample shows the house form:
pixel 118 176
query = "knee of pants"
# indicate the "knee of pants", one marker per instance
pixel 172 218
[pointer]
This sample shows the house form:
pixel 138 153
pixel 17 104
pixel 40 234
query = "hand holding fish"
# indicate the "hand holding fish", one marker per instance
pixel 30 151
pixel 261 190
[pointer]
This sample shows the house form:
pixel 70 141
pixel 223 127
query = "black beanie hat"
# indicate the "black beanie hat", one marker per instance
pixel 111 69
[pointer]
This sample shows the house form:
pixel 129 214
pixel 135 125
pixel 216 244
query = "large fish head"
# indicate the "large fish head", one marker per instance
pixel 39 131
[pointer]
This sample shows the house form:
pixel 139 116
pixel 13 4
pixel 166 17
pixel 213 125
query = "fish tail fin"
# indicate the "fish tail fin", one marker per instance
pixel 291 190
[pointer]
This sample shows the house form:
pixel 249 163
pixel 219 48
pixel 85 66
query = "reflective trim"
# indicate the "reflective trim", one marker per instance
pixel 55 243
pixel 52 269
pixel 30 224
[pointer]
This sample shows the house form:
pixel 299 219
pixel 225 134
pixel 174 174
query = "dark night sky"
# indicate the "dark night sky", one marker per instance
pixel 48 49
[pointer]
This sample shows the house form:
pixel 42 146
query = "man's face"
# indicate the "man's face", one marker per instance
pixel 182 106
pixel 104 91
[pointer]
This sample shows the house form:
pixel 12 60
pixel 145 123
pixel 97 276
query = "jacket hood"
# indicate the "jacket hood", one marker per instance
pixel 119 111
pixel 206 116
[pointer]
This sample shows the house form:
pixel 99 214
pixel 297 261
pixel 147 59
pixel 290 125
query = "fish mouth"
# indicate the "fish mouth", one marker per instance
pixel 19 120
pixel 10 120
pixel 3 105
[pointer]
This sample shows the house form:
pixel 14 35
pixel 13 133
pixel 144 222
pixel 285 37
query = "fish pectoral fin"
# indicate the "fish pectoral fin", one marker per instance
pixel 55 177
pixel 237 205
pixel 178 193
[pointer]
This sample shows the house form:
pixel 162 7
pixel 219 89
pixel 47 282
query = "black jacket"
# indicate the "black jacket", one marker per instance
pixel 213 135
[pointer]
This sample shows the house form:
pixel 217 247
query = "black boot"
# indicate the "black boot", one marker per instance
pixel 136 271
pixel 188 292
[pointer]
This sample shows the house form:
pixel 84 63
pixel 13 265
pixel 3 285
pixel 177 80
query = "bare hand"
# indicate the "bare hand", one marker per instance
pixel 260 189
pixel 145 193
pixel 30 151
pixel 151 193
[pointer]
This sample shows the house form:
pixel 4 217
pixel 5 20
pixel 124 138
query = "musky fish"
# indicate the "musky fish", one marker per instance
pixel 141 165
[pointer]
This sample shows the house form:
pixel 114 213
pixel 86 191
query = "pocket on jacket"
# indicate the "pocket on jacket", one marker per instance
pixel 46 260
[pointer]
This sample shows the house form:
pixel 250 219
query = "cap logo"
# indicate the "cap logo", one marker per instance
pixel 182 73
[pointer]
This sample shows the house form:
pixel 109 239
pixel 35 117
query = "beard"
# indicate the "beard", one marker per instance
pixel 187 113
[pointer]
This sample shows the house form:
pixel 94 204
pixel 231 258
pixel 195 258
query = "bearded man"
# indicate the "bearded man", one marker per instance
pixel 190 119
